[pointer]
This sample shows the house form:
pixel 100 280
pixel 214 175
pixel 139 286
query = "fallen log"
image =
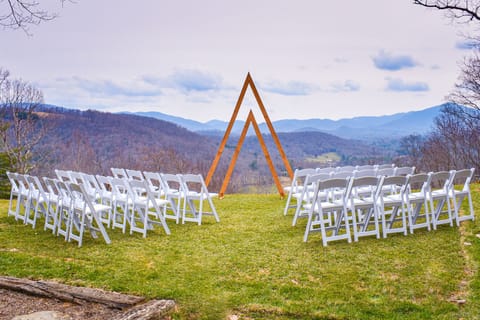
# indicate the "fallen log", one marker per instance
pixel 153 309
pixel 78 295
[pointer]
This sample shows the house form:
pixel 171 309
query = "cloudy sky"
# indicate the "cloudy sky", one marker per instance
pixel 189 58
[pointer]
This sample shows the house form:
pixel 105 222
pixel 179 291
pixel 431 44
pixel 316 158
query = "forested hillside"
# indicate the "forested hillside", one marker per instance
pixel 93 141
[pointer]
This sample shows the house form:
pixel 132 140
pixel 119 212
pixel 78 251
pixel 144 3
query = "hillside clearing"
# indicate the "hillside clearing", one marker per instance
pixel 253 264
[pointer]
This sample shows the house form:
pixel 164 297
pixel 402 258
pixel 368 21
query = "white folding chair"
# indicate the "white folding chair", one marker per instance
pixel 134 174
pixel 392 208
pixel 463 178
pixel 296 186
pixel 54 202
pixel 438 195
pixel 85 215
pixel 363 207
pixel 119 173
pixel 196 192
pixel 417 201
pixel 65 209
pixel 122 203
pixel 38 201
pixel 174 194
pixel 146 209
pixel 15 193
pixel 305 196
pixel 322 208
pixel 25 200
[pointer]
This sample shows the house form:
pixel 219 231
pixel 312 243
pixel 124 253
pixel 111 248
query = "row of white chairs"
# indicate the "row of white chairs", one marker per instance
pixel 299 180
pixel 67 208
pixel 375 205
pixel 356 168
pixel 75 201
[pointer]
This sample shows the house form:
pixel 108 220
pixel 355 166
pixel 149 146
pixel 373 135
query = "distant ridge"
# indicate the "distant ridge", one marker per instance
pixel 366 128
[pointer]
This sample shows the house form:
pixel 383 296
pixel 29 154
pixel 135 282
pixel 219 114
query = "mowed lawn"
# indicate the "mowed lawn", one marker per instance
pixel 255 265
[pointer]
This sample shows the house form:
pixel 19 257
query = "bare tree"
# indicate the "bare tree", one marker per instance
pixel 467 89
pixel 21 14
pixel 21 127
pixel 453 143
pixel 460 10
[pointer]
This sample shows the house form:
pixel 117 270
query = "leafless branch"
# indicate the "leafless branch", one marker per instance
pixel 463 11
pixel 21 14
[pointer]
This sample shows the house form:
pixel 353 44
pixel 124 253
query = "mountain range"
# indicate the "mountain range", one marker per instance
pixel 366 128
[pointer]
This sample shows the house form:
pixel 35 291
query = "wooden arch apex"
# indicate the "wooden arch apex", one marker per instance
pixel 250 120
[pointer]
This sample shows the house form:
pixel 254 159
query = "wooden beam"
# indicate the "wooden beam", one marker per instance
pixel 267 156
pixel 221 148
pixel 228 175
pixel 270 126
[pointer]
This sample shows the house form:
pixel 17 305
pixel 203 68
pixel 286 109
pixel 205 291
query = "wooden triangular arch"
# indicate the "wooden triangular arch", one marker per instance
pixel 250 120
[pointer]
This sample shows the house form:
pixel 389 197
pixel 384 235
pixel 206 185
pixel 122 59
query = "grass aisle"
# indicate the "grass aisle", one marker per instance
pixel 254 264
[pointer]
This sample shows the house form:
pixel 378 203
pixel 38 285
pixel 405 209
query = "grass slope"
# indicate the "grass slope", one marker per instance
pixel 254 264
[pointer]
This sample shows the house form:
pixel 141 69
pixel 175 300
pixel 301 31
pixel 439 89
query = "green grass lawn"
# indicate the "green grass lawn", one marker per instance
pixel 254 264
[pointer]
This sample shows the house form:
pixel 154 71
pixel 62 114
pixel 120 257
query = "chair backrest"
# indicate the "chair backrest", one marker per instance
pixel 327 170
pixel 119 186
pixel 23 183
pixel 90 183
pixel 119 173
pixel 399 183
pixel 63 175
pixel 364 173
pixel 403 171
pixel 78 196
pixel 440 180
pixel 137 189
pixel 134 174
pixel 335 188
pixel 310 184
pixel 419 181
pixel 32 186
pixel 365 167
pixel 299 177
pixel 12 177
pixel 104 183
pixel 193 182
pixel 64 191
pixel 170 182
pixel 51 186
pixel 314 178
pixel 37 186
pixel 345 168
pixel 386 172
pixel 76 177
pixel 368 185
pixel 342 174
pixel 154 182
pixel 385 165
pixel 462 177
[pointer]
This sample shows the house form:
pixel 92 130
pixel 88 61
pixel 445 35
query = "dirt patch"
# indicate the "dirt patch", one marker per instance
pixel 24 296
pixel 15 304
